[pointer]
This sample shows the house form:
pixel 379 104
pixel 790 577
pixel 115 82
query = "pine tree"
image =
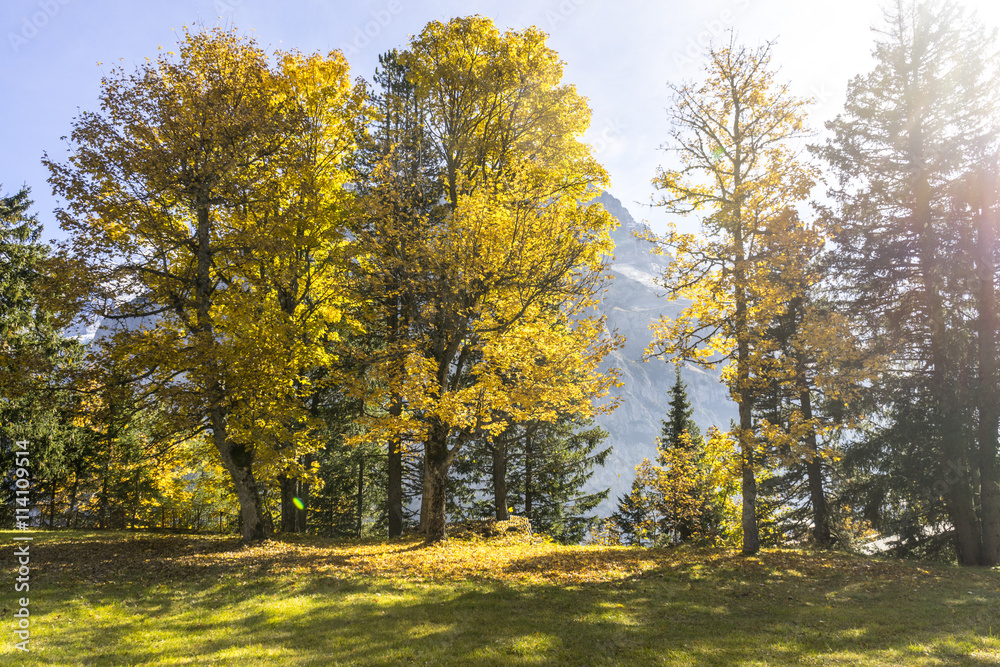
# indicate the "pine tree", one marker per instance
pixel 35 404
pixel 677 498
pixel 548 483
pixel 635 520
pixel 913 215
pixel 537 470
pixel 400 197
pixel 679 419
pixel 680 451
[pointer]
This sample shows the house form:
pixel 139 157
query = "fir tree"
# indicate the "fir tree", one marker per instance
pixel 679 419
pixel 671 500
pixel 635 522
pixel 909 152
pixel 536 470
pixel 33 404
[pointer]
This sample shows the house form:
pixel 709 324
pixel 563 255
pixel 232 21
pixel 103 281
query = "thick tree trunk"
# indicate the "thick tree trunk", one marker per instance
pixel 238 460
pixel 751 534
pixel 989 378
pixel 959 495
pixel 436 463
pixel 500 478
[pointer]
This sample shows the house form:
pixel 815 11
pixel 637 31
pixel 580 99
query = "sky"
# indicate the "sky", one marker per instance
pixel 620 54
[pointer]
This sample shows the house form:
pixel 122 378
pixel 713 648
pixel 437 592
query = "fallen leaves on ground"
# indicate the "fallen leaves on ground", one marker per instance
pixel 162 558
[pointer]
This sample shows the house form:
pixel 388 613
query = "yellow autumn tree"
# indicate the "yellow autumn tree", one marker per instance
pixel 738 169
pixel 813 366
pixel 204 196
pixel 294 303
pixel 496 274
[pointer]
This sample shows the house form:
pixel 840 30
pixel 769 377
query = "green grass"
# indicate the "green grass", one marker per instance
pixel 124 599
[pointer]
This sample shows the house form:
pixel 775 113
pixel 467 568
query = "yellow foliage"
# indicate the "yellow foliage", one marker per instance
pixel 210 189
pixel 505 268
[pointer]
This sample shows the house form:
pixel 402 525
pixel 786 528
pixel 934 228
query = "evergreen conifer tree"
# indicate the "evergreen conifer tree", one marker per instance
pixel 915 247
pixel 673 498
pixel 679 419
pixel 33 406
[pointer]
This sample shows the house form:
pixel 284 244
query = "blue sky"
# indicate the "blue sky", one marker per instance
pixel 620 54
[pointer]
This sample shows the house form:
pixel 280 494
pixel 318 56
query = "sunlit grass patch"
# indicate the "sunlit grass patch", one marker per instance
pixel 205 600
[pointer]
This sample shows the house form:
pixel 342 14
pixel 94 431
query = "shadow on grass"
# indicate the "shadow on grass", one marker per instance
pixel 694 607
pixel 143 557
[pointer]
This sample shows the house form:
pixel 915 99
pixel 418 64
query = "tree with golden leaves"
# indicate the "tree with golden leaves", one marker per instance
pixel 737 167
pixel 500 271
pixel 205 196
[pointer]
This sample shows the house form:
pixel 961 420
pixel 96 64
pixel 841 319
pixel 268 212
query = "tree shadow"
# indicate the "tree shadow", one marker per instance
pixel 669 607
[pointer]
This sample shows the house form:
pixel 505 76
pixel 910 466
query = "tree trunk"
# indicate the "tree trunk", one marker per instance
pixel 52 507
pixel 394 499
pixel 960 500
pixel 289 488
pixel 751 534
pixel 305 491
pixel 71 517
pixel 436 464
pixel 989 378
pixel 102 516
pixel 500 478
pixel 528 481
pixel 748 486
pixel 424 497
pixel 361 493
pixel 814 468
pixel 238 460
pixel 136 499
pixel 821 533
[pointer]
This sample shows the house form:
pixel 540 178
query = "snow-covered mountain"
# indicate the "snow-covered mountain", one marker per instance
pixel 631 302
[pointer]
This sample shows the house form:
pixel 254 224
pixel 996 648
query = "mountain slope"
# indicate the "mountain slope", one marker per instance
pixel 631 302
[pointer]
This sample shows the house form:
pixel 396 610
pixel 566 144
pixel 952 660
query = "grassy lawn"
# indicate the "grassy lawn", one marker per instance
pixel 125 598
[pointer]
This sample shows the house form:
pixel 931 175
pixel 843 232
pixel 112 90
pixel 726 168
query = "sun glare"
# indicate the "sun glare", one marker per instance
pixel 987 11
